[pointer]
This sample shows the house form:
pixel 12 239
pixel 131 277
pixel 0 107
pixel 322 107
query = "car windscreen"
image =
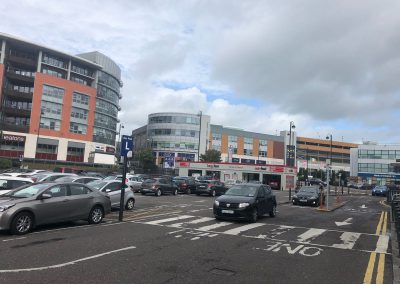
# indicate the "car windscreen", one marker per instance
pixel 308 190
pixel 242 190
pixel 27 191
pixel 110 177
pixel 97 184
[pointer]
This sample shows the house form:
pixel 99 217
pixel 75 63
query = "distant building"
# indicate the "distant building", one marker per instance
pixel 56 106
pixel 376 164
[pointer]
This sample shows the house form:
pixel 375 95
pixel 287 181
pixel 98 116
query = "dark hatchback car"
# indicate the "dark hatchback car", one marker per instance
pixel 158 186
pixel 185 184
pixel 308 195
pixel 210 187
pixel 245 202
pixel 380 190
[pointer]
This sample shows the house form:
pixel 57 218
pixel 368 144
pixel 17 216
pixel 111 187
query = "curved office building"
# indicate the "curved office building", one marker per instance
pixel 57 106
pixel 178 136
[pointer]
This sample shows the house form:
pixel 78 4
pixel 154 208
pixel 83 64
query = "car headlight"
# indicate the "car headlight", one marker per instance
pixel 216 202
pixel 243 205
pixel 5 207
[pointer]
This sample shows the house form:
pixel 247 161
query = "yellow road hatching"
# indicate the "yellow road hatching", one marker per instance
pixel 380 231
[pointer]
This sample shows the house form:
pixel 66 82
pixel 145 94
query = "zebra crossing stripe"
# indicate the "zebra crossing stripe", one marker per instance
pixel 214 226
pixel 197 221
pixel 240 229
pixel 310 235
pixel 156 222
pixel 349 239
pixel 382 244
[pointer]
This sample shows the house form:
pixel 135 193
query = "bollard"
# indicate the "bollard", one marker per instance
pixel 290 193
pixel 342 189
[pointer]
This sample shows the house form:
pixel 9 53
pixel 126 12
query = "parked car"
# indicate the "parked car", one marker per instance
pixel 231 182
pixel 42 177
pixel 210 187
pixel 316 181
pixel 79 179
pixel 185 184
pixel 135 181
pixel 42 203
pixel 113 189
pixel 7 183
pixel 245 201
pixel 158 187
pixel 380 190
pixel 308 195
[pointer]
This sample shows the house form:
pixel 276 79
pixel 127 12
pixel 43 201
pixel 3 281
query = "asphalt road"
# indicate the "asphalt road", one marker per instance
pixel 175 239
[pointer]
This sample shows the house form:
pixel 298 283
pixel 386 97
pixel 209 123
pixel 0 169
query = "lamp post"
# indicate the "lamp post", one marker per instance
pixel 289 161
pixel 198 147
pixel 328 167
pixel 38 133
pixel 119 134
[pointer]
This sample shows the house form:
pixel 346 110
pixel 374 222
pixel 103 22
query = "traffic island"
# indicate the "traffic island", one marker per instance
pixel 332 207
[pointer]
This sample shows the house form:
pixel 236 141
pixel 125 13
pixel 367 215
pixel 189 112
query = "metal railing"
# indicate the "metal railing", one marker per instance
pixel 394 201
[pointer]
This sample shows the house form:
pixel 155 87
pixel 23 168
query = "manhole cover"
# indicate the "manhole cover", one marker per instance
pixel 221 271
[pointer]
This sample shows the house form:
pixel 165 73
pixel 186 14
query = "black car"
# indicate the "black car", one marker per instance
pixel 245 201
pixel 210 187
pixel 316 181
pixel 158 186
pixel 185 184
pixel 308 195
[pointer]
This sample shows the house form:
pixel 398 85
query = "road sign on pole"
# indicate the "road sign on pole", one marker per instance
pixel 126 152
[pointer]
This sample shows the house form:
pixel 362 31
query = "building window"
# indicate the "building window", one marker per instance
pixel 49 123
pixel 79 113
pixel 248 152
pixel 81 70
pixel 216 137
pixel 77 128
pixel 81 99
pixel 79 80
pixel 54 73
pixel 216 147
pixel 262 153
pixel 54 61
pixel 175 119
pixel 52 93
pixel 232 138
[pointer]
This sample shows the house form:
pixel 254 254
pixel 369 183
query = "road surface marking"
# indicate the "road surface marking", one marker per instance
pixel 378 228
pixel 240 229
pixel 381 263
pixel 310 235
pixel 7 240
pixel 214 226
pixel 156 222
pixel 370 269
pixel 349 240
pixel 66 263
pixel 197 221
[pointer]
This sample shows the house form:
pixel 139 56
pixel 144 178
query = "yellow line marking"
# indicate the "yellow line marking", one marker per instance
pixel 378 228
pixel 370 269
pixel 381 269
pixel 384 225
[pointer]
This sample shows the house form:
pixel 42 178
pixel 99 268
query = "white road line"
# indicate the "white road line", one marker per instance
pixel 382 244
pixel 240 229
pixel 349 240
pixel 156 222
pixel 214 226
pixel 7 240
pixel 65 263
pixel 310 235
pixel 197 221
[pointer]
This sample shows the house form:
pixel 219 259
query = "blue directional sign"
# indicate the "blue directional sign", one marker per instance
pixel 126 145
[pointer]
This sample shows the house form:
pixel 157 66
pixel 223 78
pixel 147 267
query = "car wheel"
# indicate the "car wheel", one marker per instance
pixel 22 223
pixel 175 192
pixel 130 204
pixel 254 216
pixel 272 213
pixel 213 193
pixel 217 218
pixel 96 215
pixel 188 191
pixel 158 192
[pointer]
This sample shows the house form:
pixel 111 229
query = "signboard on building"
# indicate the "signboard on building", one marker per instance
pixel 14 138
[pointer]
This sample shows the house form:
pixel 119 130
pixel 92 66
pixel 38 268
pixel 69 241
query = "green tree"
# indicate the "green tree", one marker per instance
pixel 5 163
pixel 211 156
pixel 146 159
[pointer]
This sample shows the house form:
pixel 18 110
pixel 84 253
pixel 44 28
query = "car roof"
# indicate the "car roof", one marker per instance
pixel 15 178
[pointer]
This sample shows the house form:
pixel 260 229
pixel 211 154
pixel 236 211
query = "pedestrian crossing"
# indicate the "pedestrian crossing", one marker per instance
pixel 337 239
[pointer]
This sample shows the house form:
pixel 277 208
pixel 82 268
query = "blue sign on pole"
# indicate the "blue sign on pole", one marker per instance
pixel 126 145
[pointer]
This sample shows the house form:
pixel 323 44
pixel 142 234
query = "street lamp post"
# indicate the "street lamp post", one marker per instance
pixel 38 133
pixel 289 161
pixel 328 168
pixel 198 147
pixel 119 134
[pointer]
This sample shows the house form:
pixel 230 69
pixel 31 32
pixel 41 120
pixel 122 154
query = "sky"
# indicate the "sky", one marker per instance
pixel 331 67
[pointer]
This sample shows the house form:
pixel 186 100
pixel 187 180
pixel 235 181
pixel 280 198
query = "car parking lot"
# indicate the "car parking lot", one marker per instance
pixel 177 239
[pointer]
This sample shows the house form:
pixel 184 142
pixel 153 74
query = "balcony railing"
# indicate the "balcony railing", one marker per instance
pixel 15 111
pixel 27 61
pixel 20 74
pixel 15 93
pixel 14 127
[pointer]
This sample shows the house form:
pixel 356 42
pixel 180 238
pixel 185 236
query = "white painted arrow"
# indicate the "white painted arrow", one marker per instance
pixel 345 222
pixel 363 206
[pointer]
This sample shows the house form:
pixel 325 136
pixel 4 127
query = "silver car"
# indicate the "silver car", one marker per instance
pixel 42 203
pixel 113 189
